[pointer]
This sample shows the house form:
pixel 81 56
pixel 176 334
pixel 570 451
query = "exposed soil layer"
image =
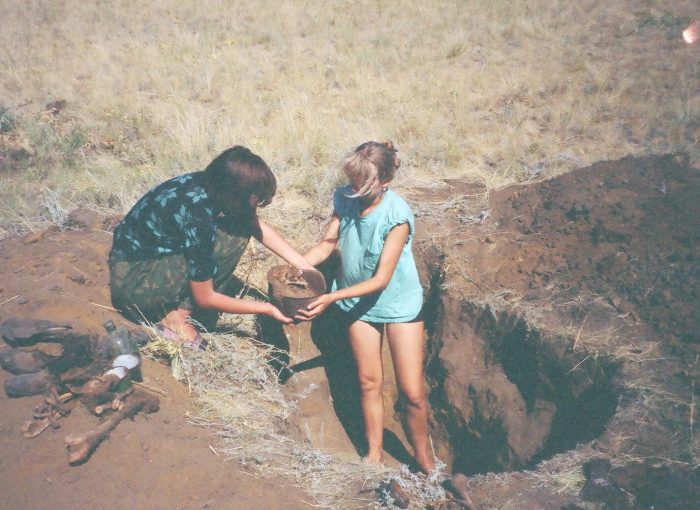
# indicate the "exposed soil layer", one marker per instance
pixel 504 396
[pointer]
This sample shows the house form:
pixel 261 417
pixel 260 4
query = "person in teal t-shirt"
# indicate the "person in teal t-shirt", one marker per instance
pixel 378 288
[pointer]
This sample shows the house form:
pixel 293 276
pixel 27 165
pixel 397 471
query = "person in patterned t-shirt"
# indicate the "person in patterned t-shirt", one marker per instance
pixel 174 253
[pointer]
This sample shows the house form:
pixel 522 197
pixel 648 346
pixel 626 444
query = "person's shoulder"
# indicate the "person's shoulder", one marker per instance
pixel 189 180
pixel 190 199
pixel 398 203
pixel 177 179
pixel 190 184
pixel 175 186
pixel 397 212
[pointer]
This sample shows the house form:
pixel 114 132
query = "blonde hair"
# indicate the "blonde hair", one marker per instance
pixel 370 163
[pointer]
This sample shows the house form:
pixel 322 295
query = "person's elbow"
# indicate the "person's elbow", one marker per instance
pixel 325 254
pixel 319 253
pixel 203 296
pixel 381 281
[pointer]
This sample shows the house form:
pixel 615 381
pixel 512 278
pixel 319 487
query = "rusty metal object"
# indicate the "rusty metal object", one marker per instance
pixel 292 289
pixel 51 357
pixel 81 446
pixel 399 496
pixel 458 485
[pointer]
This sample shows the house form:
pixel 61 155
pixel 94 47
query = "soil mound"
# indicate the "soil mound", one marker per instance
pixel 540 293
pixel 627 230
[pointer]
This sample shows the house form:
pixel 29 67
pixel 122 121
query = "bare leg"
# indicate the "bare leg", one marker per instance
pixel 177 321
pixel 406 341
pixel 366 343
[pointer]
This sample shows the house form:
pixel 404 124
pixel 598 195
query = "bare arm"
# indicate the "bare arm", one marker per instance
pixel 206 297
pixel 274 242
pixel 389 258
pixel 325 247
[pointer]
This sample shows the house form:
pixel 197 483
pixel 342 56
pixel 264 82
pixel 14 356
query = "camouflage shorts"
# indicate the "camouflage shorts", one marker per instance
pixel 146 290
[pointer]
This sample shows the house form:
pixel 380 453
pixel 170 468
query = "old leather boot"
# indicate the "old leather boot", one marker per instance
pixel 19 361
pixel 25 385
pixel 18 332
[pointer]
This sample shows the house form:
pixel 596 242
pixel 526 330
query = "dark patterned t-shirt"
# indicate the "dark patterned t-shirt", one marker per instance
pixel 175 217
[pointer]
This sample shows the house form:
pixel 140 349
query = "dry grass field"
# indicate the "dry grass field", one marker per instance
pixel 100 100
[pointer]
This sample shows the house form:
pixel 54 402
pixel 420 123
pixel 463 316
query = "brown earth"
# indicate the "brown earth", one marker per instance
pixel 626 230
pixel 562 324
pixel 154 461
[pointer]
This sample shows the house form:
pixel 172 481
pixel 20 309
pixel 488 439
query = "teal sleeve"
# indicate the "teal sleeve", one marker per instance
pixel 399 214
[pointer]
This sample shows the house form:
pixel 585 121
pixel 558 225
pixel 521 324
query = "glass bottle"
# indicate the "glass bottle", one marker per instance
pixel 122 350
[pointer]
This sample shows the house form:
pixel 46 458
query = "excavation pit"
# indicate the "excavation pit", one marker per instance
pixel 505 396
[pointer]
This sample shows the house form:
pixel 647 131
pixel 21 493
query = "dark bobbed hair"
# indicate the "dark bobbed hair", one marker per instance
pixel 237 174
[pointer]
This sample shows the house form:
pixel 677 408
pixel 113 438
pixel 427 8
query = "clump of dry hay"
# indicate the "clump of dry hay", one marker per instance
pixel 239 399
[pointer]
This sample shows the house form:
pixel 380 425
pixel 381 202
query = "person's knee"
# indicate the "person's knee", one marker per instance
pixel 370 383
pixel 415 399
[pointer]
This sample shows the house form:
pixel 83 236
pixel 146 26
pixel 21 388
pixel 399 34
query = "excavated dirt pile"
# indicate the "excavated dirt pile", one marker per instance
pixel 627 230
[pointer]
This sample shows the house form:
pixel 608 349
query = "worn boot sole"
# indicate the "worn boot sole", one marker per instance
pixel 28 331
pixel 19 361
pixel 26 385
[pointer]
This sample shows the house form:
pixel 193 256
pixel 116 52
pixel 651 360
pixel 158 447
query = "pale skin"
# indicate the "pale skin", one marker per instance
pixel 406 341
pixel 206 297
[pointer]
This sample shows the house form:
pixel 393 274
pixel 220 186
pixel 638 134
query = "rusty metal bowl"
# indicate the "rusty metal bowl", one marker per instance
pixel 291 289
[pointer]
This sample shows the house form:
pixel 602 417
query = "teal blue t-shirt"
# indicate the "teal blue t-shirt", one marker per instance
pixel 360 242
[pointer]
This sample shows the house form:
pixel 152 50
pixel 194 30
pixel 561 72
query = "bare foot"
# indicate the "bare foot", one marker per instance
pixel 177 322
pixel 426 464
pixel 374 459
pixel 458 486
